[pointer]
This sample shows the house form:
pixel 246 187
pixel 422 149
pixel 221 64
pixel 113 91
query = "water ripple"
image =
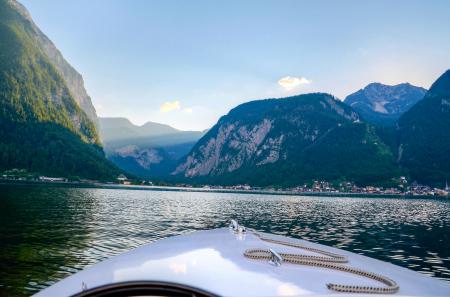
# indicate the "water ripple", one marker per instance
pixel 50 233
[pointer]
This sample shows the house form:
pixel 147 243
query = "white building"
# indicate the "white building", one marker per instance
pixel 122 178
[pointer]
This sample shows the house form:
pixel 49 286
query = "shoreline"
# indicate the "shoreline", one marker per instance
pixel 203 190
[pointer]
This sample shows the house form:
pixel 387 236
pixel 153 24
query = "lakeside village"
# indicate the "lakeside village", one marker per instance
pixel 403 187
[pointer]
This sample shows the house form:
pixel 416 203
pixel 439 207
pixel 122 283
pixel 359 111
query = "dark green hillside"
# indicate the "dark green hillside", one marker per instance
pixel 51 149
pixel 40 119
pixel 425 135
pixel 289 142
pixel 353 152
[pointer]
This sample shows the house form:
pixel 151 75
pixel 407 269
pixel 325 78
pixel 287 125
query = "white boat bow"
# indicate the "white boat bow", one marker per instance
pixel 212 263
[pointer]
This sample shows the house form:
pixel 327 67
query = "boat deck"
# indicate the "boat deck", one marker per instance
pixel 214 261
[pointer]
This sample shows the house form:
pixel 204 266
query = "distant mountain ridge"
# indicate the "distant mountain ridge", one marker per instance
pixel 150 150
pixel 298 139
pixel 49 125
pixel 381 104
pixel 289 141
pixel 116 129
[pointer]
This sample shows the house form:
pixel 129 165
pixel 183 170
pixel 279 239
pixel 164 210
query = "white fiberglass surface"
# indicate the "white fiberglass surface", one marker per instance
pixel 213 261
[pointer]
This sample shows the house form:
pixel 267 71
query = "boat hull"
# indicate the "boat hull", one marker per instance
pixel 213 261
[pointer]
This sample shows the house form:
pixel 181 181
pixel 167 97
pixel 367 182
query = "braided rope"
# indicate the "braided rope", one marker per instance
pixel 331 257
pixel 329 262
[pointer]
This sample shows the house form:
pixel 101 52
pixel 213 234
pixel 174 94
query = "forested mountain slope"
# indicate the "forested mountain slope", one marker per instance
pixel 42 127
pixel 424 133
pixel 287 142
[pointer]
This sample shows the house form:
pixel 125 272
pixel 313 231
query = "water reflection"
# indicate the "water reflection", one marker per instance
pixel 48 233
pixel 41 237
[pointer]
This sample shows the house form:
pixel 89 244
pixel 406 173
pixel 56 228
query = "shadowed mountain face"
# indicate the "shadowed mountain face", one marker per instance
pixel 42 126
pixel 289 141
pixel 150 150
pixel 425 135
pixel 382 105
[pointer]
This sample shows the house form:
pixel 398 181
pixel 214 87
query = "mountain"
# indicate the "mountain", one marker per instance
pixel 382 105
pixel 74 81
pixel 149 161
pixel 116 129
pixel 288 142
pixel 42 126
pixel 425 135
pixel 150 150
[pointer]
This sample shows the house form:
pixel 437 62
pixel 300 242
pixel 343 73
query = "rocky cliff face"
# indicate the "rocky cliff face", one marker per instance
pixel 244 143
pixel 150 150
pixel 382 104
pixel 144 157
pixel 268 141
pixel 148 161
pixel 263 132
pixel 73 79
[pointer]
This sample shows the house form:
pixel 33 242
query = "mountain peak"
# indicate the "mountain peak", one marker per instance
pixel 118 128
pixel 382 104
pixel 378 85
pixel 374 85
pixel 153 125
pixel 149 150
pixel 285 141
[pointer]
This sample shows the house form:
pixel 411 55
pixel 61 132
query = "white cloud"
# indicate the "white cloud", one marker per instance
pixel 169 106
pixel 292 82
pixel 188 110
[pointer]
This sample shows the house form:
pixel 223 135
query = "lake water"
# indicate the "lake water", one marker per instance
pixel 48 233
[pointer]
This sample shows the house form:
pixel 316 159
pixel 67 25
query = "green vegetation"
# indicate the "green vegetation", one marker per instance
pixel 302 138
pixel 323 139
pixel 424 133
pixel 350 152
pixel 53 150
pixel 353 152
pixel 42 128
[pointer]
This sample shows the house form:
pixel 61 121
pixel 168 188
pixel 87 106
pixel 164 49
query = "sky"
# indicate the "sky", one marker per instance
pixel 186 63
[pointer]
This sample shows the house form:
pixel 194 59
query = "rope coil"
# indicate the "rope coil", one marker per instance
pixel 330 261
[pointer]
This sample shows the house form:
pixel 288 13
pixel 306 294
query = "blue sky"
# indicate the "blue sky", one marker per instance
pixel 186 63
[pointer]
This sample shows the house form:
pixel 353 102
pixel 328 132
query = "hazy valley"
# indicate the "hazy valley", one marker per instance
pixel 376 135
